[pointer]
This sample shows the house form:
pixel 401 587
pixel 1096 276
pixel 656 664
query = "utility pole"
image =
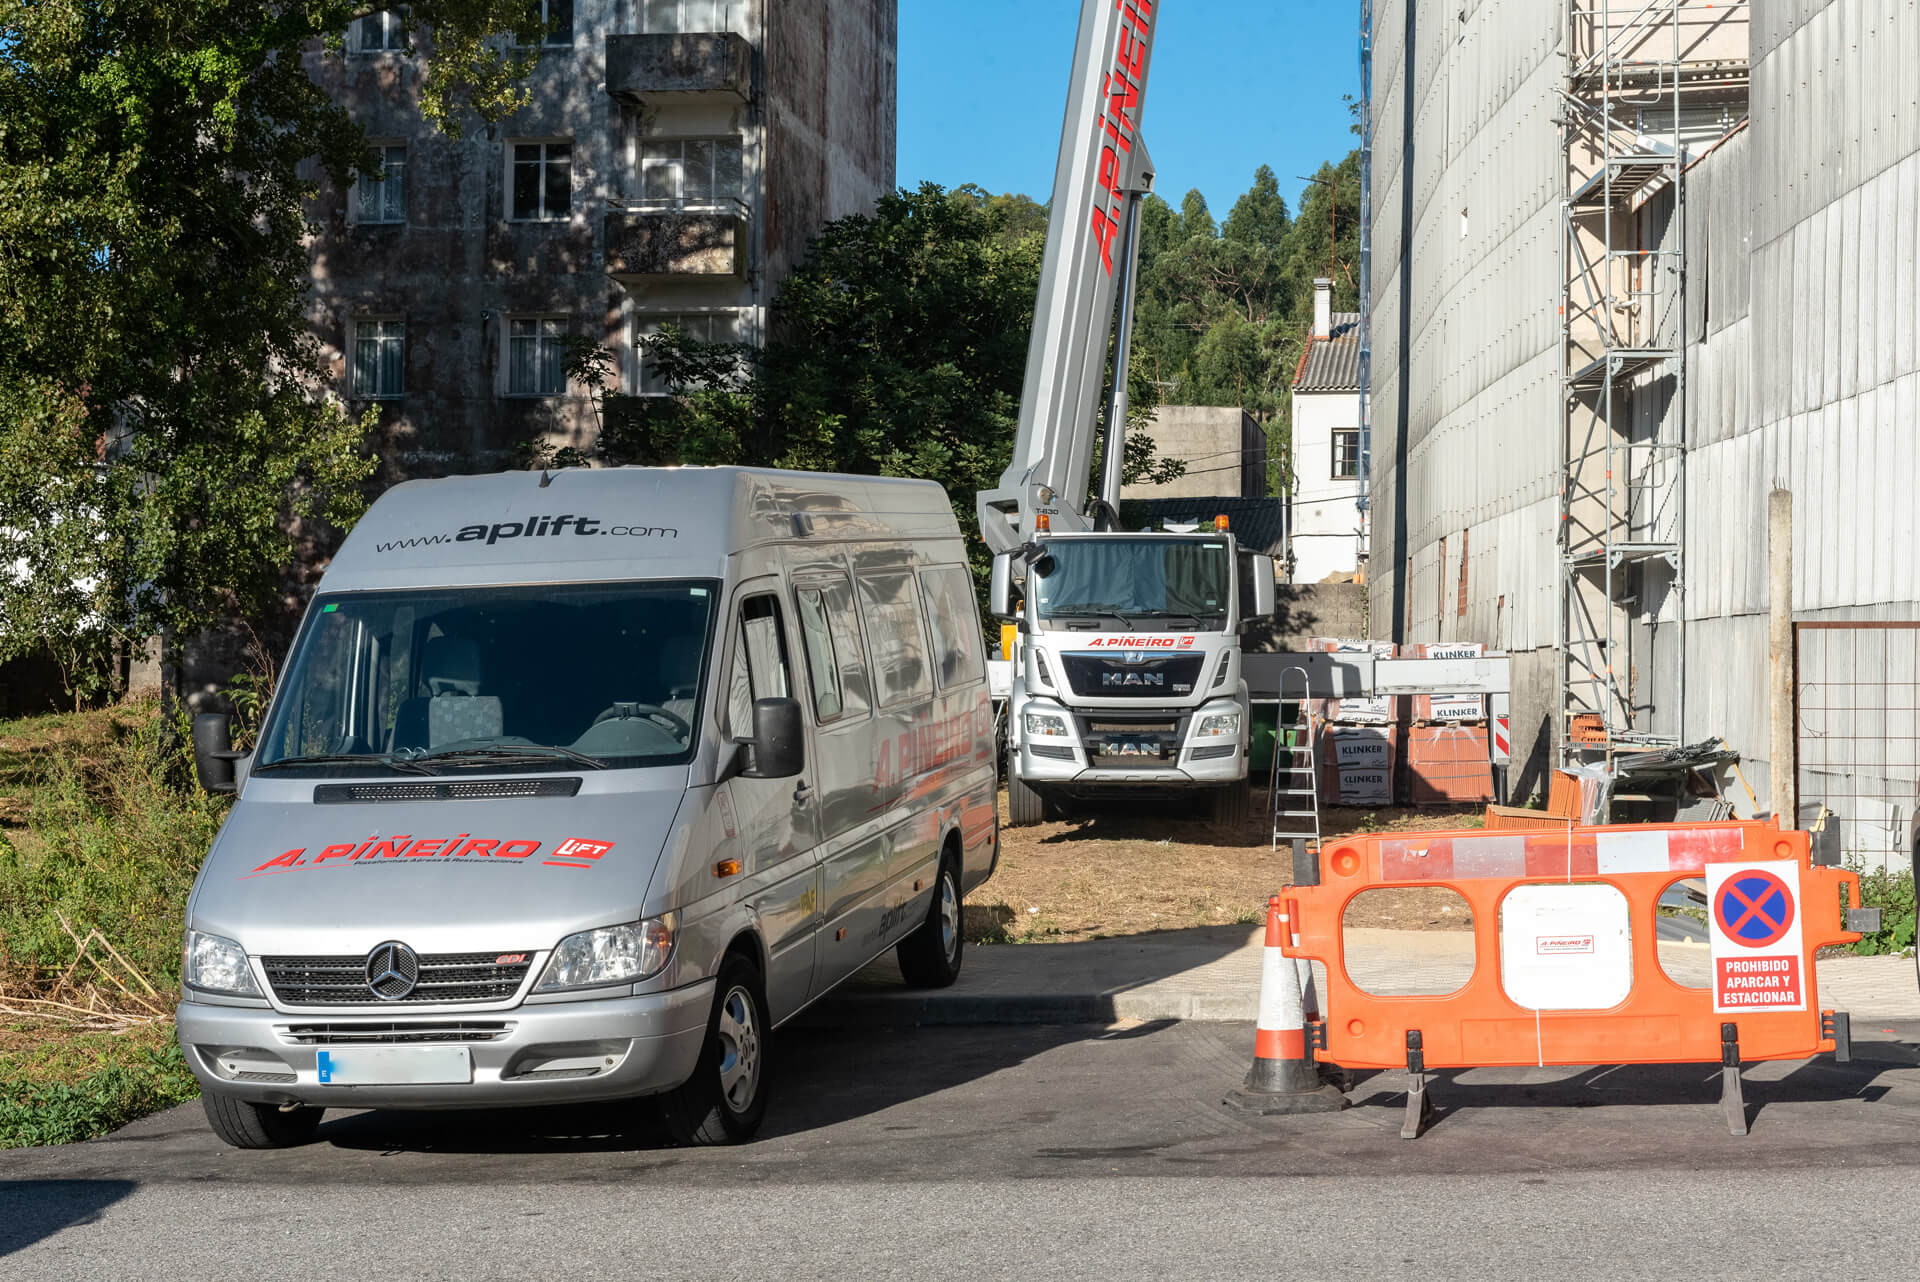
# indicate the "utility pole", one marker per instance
pixel 1333 221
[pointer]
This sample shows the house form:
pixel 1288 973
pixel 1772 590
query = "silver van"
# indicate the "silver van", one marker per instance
pixel 576 786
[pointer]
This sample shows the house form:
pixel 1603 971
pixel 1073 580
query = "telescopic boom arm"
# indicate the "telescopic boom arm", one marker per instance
pixel 1092 243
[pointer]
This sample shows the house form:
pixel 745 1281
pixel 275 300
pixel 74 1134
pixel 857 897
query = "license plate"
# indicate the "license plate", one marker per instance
pixel 395 1066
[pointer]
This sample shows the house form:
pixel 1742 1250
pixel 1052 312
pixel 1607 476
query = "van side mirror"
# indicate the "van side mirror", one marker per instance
pixel 779 740
pixel 1000 587
pixel 213 754
pixel 1264 603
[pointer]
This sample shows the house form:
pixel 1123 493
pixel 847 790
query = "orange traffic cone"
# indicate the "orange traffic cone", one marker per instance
pixel 1284 1078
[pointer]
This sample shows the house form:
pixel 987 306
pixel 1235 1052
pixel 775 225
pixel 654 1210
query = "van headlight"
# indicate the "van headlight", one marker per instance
pixel 1048 724
pixel 610 955
pixel 1219 725
pixel 216 965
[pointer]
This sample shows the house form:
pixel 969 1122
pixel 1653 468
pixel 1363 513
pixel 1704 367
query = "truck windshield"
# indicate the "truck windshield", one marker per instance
pixel 1172 582
pixel 522 678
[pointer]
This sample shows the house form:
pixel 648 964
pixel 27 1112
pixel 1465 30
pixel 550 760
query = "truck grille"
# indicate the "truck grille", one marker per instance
pixel 1112 677
pixel 444 977
pixel 387 1034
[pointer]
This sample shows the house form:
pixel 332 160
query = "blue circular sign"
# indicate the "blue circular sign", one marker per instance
pixel 1753 908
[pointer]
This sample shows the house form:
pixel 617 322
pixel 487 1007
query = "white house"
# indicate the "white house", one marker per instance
pixel 1327 535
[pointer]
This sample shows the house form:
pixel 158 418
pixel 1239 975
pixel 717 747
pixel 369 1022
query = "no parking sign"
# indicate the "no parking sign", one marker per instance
pixel 1753 929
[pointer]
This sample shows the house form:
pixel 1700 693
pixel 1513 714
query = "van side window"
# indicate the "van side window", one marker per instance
pixel 892 618
pixel 759 663
pixel 817 640
pixel 953 619
pixel 855 696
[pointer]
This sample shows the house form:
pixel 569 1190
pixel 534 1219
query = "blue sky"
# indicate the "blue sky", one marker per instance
pixel 1235 84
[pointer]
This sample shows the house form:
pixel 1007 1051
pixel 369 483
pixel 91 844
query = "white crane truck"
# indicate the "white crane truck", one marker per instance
pixel 1126 676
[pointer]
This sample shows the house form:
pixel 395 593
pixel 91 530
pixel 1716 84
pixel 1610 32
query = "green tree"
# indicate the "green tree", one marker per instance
pixel 164 439
pixel 899 347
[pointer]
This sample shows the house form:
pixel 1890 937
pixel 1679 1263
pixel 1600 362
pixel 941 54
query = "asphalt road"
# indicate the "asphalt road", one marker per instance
pixel 1031 1151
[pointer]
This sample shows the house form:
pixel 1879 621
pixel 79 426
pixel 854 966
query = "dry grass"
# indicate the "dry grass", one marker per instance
pixel 1134 869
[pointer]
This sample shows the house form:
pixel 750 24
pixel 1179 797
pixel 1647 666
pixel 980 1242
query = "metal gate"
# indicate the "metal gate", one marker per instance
pixel 1858 716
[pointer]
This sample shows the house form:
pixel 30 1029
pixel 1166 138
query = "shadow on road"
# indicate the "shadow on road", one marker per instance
pixel 34 1209
pixel 1693 1085
pixel 818 1084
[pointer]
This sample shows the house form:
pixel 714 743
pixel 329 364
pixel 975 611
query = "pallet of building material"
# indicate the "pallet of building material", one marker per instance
pixel 1447 765
pixel 1383 710
pixel 1449 707
pixel 1357 764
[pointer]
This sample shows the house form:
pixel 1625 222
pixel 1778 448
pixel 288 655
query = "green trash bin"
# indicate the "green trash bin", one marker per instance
pixel 1266 718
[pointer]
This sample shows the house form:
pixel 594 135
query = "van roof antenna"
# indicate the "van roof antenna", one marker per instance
pixel 546 477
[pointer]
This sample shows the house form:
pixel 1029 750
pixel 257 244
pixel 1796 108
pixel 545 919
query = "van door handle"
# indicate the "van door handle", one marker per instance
pixel 802 793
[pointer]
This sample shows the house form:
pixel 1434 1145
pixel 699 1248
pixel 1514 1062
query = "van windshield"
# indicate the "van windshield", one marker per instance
pixel 1143 583
pixel 549 676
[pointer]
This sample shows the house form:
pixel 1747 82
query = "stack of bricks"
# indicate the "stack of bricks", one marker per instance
pixel 1447 743
pixel 1359 746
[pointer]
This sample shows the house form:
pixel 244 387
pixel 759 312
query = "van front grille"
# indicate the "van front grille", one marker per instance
pixel 388 1034
pixel 445 977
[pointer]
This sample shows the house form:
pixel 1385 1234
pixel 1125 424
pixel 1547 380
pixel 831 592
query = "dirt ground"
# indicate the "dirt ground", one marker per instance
pixel 1134 869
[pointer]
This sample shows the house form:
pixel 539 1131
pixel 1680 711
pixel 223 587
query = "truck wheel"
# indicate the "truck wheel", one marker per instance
pixel 725 1100
pixel 1231 806
pixel 244 1124
pixel 1024 806
pixel 930 956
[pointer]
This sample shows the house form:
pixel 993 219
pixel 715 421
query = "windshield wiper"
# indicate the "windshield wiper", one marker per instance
pixel 1086 611
pixel 344 758
pixel 509 752
pixel 1171 614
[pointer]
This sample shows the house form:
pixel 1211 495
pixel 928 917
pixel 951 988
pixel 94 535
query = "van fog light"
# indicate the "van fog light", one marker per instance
pixel 1220 724
pixel 610 955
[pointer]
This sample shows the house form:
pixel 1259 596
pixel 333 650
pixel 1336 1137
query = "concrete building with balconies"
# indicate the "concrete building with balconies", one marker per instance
pixel 673 163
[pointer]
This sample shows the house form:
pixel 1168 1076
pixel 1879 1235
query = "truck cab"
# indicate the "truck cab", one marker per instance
pixel 1126 668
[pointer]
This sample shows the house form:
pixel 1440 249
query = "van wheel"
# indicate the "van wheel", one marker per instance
pixel 244 1124
pixel 725 1100
pixel 1025 807
pixel 930 956
pixel 1231 806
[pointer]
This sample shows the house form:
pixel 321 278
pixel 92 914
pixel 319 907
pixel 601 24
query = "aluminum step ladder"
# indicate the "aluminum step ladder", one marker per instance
pixel 1294 793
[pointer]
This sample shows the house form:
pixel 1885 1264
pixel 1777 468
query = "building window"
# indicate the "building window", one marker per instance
pixel 542 180
pixel 382 197
pixel 691 171
pixel 379 359
pixel 1346 453
pixel 384 31
pixel 536 356
pixel 701 327
pixel 685 17
pixel 556 20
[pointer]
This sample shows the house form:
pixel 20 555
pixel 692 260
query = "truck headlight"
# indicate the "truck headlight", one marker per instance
pixel 1219 725
pixel 1048 725
pixel 610 955
pixel 217 965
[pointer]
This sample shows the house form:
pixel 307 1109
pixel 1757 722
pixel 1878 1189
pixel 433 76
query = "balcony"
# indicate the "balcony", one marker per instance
pixel 717 65
pixel 678 242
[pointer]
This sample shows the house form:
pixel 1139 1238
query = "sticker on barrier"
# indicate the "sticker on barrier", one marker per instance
pixel 1753 933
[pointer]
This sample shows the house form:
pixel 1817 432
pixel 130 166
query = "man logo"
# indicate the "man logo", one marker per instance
pixel 1136 679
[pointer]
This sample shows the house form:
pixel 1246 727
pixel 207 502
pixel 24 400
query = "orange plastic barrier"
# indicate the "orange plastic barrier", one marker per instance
pixel 1658 1020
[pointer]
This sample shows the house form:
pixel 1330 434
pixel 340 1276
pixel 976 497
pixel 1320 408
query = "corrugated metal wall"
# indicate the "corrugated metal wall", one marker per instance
pixel 1480 430
pixel 1803 367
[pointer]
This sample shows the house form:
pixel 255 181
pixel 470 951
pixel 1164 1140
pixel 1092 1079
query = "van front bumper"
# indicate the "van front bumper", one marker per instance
pixel 557 1053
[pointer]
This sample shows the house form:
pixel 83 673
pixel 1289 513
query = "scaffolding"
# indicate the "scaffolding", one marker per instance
pixel 1635 76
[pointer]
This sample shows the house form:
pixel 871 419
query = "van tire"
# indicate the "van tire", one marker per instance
pixel 699 1111
pixel 930 957
pixel 1025 807
pixel 244 1124
pixel 1231 806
